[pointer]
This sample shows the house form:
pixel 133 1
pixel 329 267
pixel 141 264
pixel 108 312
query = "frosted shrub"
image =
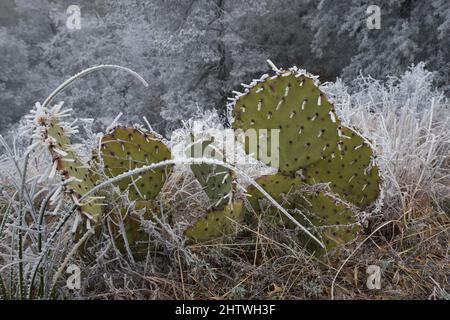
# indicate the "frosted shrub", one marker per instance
pixel 408 122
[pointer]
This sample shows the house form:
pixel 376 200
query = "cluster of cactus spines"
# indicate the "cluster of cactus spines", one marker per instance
pixel 217 223
pixel 348 170
pixel 313 148
pixel 291 102
pixel 216 180
pixel 125 149
pixel 77 176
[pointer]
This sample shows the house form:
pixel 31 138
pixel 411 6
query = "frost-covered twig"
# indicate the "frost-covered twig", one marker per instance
pixel 86 72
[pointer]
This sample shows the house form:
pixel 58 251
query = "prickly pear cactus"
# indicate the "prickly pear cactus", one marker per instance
pixel 279 187
pixel 133 234
pixel 322 212
pixel 78 179
pixel 216 180
pixel 77 176
pixel 216 223
pixel 291 102
pixel 334 220
pixel 314 148
pixel 124 149
pixel 349 170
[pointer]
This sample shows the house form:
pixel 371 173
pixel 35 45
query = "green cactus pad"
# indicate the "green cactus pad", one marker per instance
pixel 292 103
pixel 348 170
pixel 137 237
pixel 277 185
pixel 216 180
pixel 216 223
pixel 125 149
pixel 71 166
pixel 334 220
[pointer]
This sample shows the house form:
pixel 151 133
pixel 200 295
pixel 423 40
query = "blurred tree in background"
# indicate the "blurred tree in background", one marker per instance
pixel 194 52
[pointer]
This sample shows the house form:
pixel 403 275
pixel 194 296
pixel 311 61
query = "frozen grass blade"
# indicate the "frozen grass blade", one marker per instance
pixel 84 73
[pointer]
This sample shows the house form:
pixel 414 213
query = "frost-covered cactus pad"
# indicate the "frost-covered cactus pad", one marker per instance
pixel 335 220
pixel 216 223
pixel 78 179
pixel 133 232
pixel 77 175
pixel 276 185
pixel 125 149
pixel 216 180
pixel 349 170
pixel 322 212
pixel 291 102
pixel 279 187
